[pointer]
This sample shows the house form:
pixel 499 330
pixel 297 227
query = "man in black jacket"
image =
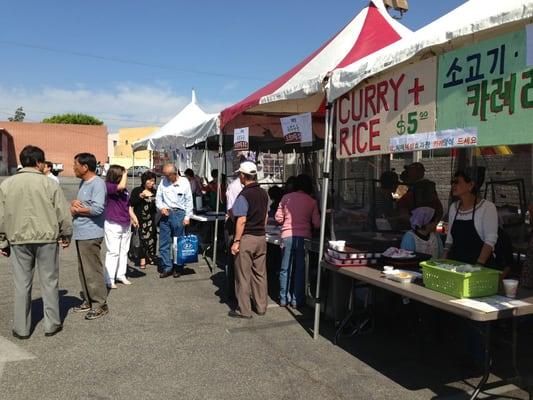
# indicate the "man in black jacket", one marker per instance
pixel 249 245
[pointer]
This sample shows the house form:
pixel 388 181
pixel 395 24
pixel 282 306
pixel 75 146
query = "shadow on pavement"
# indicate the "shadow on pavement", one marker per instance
pixel 420 351
pixel 65 304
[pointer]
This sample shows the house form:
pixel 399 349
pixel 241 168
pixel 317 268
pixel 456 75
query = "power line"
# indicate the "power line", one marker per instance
pixel 130 62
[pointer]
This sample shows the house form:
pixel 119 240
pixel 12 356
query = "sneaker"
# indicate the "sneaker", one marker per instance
pixel 95 313
pixel 124 281
pixel 83 307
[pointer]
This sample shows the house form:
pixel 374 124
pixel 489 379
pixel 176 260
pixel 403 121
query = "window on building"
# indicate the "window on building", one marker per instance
pixel 114 143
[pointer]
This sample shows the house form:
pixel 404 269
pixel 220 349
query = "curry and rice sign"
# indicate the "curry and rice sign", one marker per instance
pixel 395 104
pixel 488 85
pixel 480 95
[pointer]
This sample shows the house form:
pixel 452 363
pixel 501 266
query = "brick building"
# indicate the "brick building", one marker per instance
pixel 60 142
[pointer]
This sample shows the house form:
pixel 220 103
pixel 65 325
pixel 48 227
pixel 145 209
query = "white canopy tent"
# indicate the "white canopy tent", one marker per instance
pixel 189 127
pixel 465 23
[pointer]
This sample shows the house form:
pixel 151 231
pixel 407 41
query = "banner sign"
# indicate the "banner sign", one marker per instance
pixel 451 138
pixel 297 128
pixel 241 139
pixel 489 86
pixel 397 103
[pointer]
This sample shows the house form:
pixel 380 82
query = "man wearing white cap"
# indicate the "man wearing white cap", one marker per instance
pixel 249 245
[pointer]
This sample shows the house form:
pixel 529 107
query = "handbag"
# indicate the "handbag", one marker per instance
pixel 134 253
pixel 186 249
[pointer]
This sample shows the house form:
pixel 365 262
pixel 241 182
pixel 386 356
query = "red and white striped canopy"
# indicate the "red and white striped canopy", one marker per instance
pixel 301 88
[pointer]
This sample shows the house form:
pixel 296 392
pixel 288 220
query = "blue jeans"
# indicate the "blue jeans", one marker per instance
pixel 168 228
pixel 292 264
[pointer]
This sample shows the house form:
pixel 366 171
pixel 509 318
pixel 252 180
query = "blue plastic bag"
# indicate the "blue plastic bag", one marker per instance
pixel 186 250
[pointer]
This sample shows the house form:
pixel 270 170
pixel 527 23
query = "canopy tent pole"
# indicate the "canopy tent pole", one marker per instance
pixel 219 179
pixel 323 205
pixel 133 158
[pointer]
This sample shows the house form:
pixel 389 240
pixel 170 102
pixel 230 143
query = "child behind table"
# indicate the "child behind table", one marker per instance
pixel 422 237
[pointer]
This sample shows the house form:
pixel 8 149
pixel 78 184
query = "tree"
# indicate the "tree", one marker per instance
pixel 80 119
pixel 19 115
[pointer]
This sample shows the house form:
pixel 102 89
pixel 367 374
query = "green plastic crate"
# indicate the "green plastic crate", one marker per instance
pixel 460 284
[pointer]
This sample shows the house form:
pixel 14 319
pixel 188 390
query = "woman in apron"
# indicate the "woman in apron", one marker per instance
pixel 473 230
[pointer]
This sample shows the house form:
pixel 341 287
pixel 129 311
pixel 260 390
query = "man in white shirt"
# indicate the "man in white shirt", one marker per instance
pixel 174 200
pixel 48 166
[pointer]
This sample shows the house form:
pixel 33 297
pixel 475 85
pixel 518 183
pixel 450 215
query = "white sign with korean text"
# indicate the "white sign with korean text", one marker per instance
pixel 451 138
pixel 241 139
pixel 297 128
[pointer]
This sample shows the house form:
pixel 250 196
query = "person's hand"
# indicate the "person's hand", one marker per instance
pixel 73 211
pixel 145 193
pixel 235 248
pixel 165 212
pixel 186 221
pixel 76 203
pixel 135 222
pixel 64 243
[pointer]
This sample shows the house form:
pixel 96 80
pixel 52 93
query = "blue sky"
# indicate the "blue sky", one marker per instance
pixel 225 49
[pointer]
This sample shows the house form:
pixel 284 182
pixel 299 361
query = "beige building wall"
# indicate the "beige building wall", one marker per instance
pixel 112 141
pixel 123 153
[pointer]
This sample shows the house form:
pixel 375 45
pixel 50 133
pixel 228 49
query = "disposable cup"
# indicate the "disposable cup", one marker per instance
pixel 510 286
pixel 388 268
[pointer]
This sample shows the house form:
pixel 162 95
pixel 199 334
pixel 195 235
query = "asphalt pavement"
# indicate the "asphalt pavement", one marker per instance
pixel 172 339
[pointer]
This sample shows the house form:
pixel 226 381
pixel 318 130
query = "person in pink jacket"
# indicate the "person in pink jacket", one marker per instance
pixel 298 215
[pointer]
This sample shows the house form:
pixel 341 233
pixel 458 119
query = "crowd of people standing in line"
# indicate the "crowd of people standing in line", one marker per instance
pixel 36 221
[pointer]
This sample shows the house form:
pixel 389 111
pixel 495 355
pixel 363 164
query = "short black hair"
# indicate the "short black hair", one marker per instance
pixel 275 193
pixel 87 159
pixel 214 173
pixel 49 164
pixel 472 174
pixel 146 176
pixel 249 177
pixel 304 183
pixel 189 172
pixel 31 155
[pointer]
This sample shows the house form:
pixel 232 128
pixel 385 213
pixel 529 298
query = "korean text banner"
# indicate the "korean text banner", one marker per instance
pixel 448 139
pixel 297 128
pixel 397 103
pixel 241 139
pixel 488 85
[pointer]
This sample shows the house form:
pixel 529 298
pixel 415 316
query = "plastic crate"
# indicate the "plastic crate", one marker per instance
pixel 459 284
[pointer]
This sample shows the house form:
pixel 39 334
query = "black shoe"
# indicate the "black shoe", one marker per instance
pixel 165 274
pixel 235 314
pixel 20 337
pixel 83 307
pixel 55 331
pixel 95 313
pixel 176 274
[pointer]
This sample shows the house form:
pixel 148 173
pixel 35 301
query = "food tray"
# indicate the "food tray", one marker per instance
pixel 361 262
pixel 460 284
pixel 395 275
pixel 354 254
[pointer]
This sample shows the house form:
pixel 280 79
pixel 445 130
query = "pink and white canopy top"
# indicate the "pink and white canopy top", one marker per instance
pixel 372 29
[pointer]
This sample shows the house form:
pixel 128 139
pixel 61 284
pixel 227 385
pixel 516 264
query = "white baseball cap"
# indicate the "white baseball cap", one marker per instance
pixel 247 167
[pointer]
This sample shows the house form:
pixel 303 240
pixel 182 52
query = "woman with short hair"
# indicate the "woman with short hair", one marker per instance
pixel 473 221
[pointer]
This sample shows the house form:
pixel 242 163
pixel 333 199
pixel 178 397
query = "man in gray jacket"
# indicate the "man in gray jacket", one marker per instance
pixel 34 221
